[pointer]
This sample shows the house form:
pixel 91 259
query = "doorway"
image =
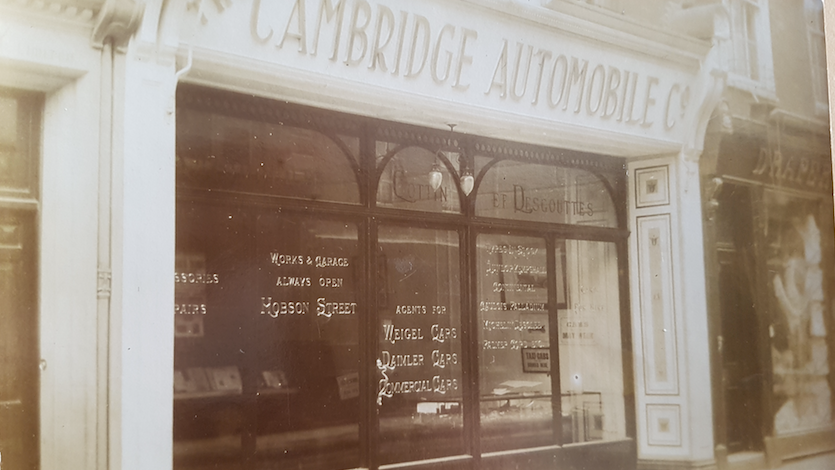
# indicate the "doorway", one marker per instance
pixel 742 377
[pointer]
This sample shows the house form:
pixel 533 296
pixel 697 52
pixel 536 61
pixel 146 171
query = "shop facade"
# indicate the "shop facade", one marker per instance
pixel 437 235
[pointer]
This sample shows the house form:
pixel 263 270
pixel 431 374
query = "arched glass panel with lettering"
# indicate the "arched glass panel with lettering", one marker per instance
pixel 407 178
pixel 542 193
pixel 220 152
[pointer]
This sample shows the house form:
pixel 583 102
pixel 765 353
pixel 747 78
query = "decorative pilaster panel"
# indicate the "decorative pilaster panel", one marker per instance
pixel 671 354
pixel 664 425
pixel 657 310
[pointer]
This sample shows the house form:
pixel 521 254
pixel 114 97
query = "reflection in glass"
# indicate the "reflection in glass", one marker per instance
pixel 406 180
pixel 591 367
pixel 801 302
pixel 419 383
pixel 514 356
pixel 222 152
pixel 543 193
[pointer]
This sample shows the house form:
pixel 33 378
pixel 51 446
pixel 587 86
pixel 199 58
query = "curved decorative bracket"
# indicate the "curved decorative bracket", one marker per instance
pixel 117 21
pixel 709 96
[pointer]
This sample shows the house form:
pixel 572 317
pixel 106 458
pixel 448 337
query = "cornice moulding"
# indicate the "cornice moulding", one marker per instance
pixel 68 11
pixel 607 28
pixel 117 20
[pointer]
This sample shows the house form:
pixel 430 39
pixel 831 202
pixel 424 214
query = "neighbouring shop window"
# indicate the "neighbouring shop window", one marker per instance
pixel 420 387
pixel 221 152
pixel 515 364
pixel 800 269
pixel 543 193
pixel 591 371
pixel 406 181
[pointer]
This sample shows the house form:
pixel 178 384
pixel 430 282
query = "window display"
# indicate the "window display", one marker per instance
pixel 800 314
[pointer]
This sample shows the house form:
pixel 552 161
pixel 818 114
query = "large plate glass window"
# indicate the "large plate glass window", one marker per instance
pixel 591 363
pixel 266 339
pixel 420 386
pixel 514 343
pixel 306 374
pixel 212 268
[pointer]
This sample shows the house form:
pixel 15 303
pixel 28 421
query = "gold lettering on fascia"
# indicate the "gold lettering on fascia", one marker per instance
pixel 404 43
pixel 781 169
pixel 572 83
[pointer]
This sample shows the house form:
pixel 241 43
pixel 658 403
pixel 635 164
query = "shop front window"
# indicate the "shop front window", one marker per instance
pixel 266 350
pixel 341 302
pixel 591 371
pixel 515 368
pixel 420 387
pixel 801 306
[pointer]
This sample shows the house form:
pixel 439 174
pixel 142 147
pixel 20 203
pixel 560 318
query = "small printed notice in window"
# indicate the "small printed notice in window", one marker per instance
pixel 349 385
pixel 536 360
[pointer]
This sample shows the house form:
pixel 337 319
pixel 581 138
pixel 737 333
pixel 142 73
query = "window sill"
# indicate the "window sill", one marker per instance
pixel 759 90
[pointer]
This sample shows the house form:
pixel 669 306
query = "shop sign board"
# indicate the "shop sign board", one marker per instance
pixel 783 168
pixel 458 53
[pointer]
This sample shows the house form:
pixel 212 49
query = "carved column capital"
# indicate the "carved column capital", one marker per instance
pixel 117 20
